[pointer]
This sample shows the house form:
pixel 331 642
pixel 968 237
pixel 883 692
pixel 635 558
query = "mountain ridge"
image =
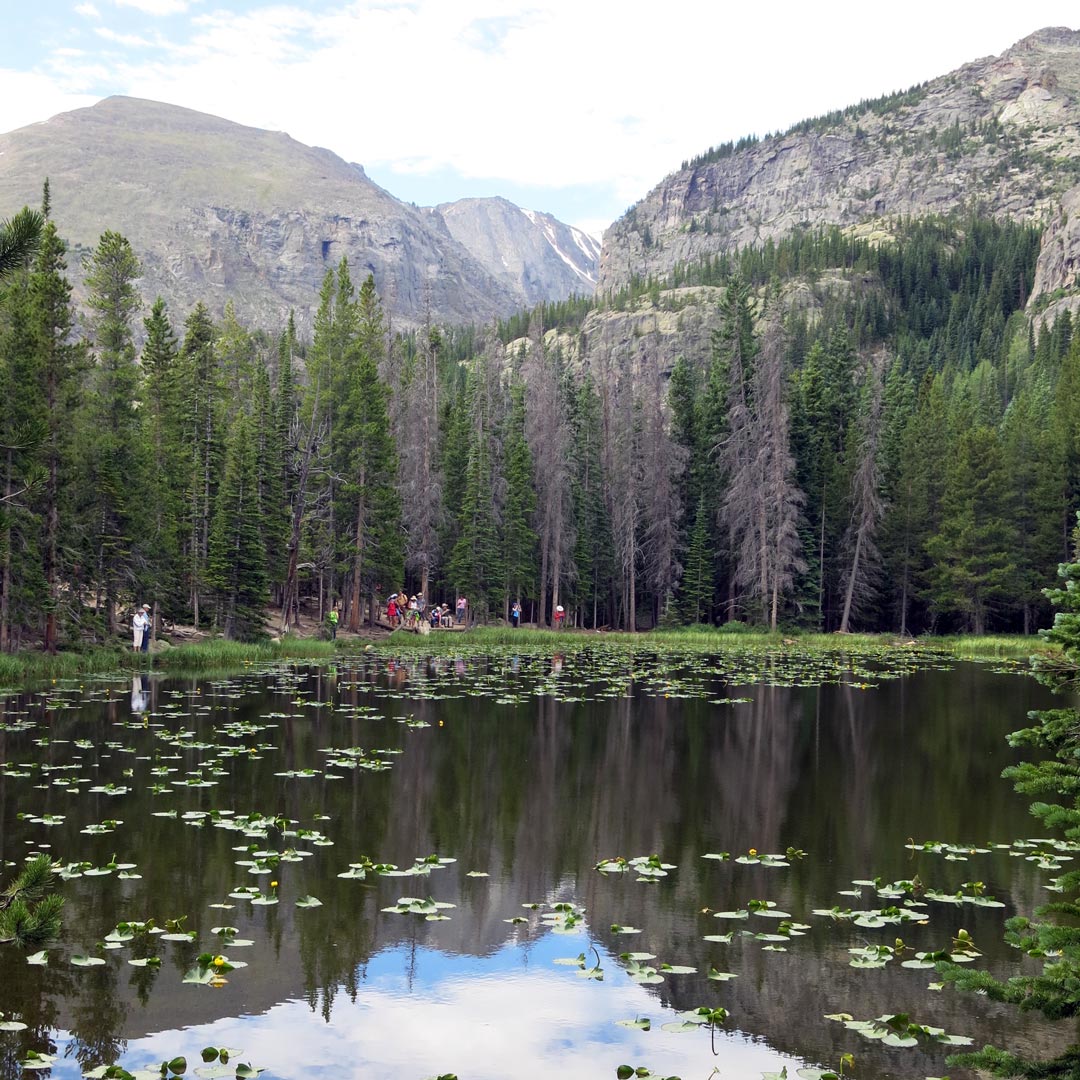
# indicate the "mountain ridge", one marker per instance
pixel 1000 135
pixel 213 208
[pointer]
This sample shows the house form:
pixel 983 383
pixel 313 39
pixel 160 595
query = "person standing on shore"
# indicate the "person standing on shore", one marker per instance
pixel 139 626
pixel 148 628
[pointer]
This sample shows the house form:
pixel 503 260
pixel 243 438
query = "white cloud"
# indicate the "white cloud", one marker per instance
pixel 156 7
pixel 88 11
pixel 507 1024
pixel 29 97
pixel 130 41
pixel 541 93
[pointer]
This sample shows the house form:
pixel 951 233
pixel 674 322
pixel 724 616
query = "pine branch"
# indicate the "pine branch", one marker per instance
pixel 19 239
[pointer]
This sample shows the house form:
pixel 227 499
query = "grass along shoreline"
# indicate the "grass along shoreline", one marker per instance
pixel 1012 646
pixel 217 654
pixel 214 654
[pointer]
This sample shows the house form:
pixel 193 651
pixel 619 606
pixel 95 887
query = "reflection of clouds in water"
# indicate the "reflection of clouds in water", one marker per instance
pixel 499 1027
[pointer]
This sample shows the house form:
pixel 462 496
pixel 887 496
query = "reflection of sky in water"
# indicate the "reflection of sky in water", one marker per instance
pixel 535 793
pixel 514 1014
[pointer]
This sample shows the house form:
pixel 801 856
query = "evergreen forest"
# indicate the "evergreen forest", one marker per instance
pixel 900 454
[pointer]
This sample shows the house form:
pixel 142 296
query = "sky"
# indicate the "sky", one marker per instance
pixel 574 107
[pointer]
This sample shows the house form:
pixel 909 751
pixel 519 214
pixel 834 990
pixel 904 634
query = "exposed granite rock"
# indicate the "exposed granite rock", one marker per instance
pixel 532 253
pixel 215 211
pixel 1002 134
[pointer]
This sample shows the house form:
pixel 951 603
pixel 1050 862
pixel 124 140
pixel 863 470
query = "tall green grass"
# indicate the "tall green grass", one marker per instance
pixel 219 654
pixel 19 668
pixel 1012 646
pixel 732 635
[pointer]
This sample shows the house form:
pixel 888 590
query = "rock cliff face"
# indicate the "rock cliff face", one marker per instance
pixel 531 253
pixel 218 211
pixel 1001 134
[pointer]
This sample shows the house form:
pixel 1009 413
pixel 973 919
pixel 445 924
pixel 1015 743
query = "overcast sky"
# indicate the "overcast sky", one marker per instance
pixel 576 107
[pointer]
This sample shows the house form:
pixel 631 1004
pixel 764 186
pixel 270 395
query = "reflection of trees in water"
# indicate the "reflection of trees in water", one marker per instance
pixel 784 997
pixel 536 794
pixel 97 1017
pixel 29 994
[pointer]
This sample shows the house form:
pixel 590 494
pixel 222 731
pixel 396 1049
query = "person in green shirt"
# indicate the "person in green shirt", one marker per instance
pixel 332 621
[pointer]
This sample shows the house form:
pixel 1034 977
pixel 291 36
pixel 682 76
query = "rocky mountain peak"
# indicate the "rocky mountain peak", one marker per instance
pixel 1001 135
pixel 529 251
pixel 216 210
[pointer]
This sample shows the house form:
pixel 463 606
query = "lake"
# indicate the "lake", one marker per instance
pixel 496 785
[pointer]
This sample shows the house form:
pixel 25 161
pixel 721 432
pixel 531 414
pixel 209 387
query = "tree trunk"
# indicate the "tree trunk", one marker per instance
pixel 358 562
pixel 290 603
pixel 5 578
pixel 821 564
pixel 541 616
pixel 852 578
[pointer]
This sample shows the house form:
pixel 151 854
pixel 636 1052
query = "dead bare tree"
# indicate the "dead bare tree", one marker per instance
pixel 548 435
pixel 417 435
pixel 662 463
pixel 306 440
pixel 761 506
pixel 620 463
pixel 868 507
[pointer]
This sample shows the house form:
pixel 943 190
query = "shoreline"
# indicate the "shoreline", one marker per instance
pixel 22 668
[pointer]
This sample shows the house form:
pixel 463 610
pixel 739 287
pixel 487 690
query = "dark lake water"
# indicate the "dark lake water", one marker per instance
pixel 527 772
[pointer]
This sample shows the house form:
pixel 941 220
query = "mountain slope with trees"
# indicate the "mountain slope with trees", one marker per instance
pixel 869 428
pixel 1000 136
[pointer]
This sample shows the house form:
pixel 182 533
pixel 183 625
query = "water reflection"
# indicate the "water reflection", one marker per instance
pixel 532 791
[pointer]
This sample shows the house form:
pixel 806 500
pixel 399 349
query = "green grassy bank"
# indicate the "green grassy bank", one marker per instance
pixel 217 654
pixel 1015 646
pixel 212 655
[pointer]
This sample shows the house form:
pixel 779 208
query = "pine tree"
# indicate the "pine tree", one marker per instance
pixel 113 462
pixel 270 454
pixel 475 565
pixel 696 596
pixel 860 540
pixel 160 442
pixel 730 428
pixel 19 239
pixel 1051 938
pixel 972 564
pixel 519 539
pixel 23 592
pixel 368 496
pixel 1036 483
pixel 236 562
pixel 59 362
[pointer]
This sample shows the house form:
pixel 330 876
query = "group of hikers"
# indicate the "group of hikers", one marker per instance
pixel 401 610
pixel 411 611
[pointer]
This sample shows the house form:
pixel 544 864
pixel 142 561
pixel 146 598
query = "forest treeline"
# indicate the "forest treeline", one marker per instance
pixel 906 458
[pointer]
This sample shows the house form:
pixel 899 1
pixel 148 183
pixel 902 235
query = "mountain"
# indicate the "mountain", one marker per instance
pixel 219 211
pixel 999 136
pixel 529 252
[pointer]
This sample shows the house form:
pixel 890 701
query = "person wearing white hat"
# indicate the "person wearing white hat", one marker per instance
pixel 140 629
